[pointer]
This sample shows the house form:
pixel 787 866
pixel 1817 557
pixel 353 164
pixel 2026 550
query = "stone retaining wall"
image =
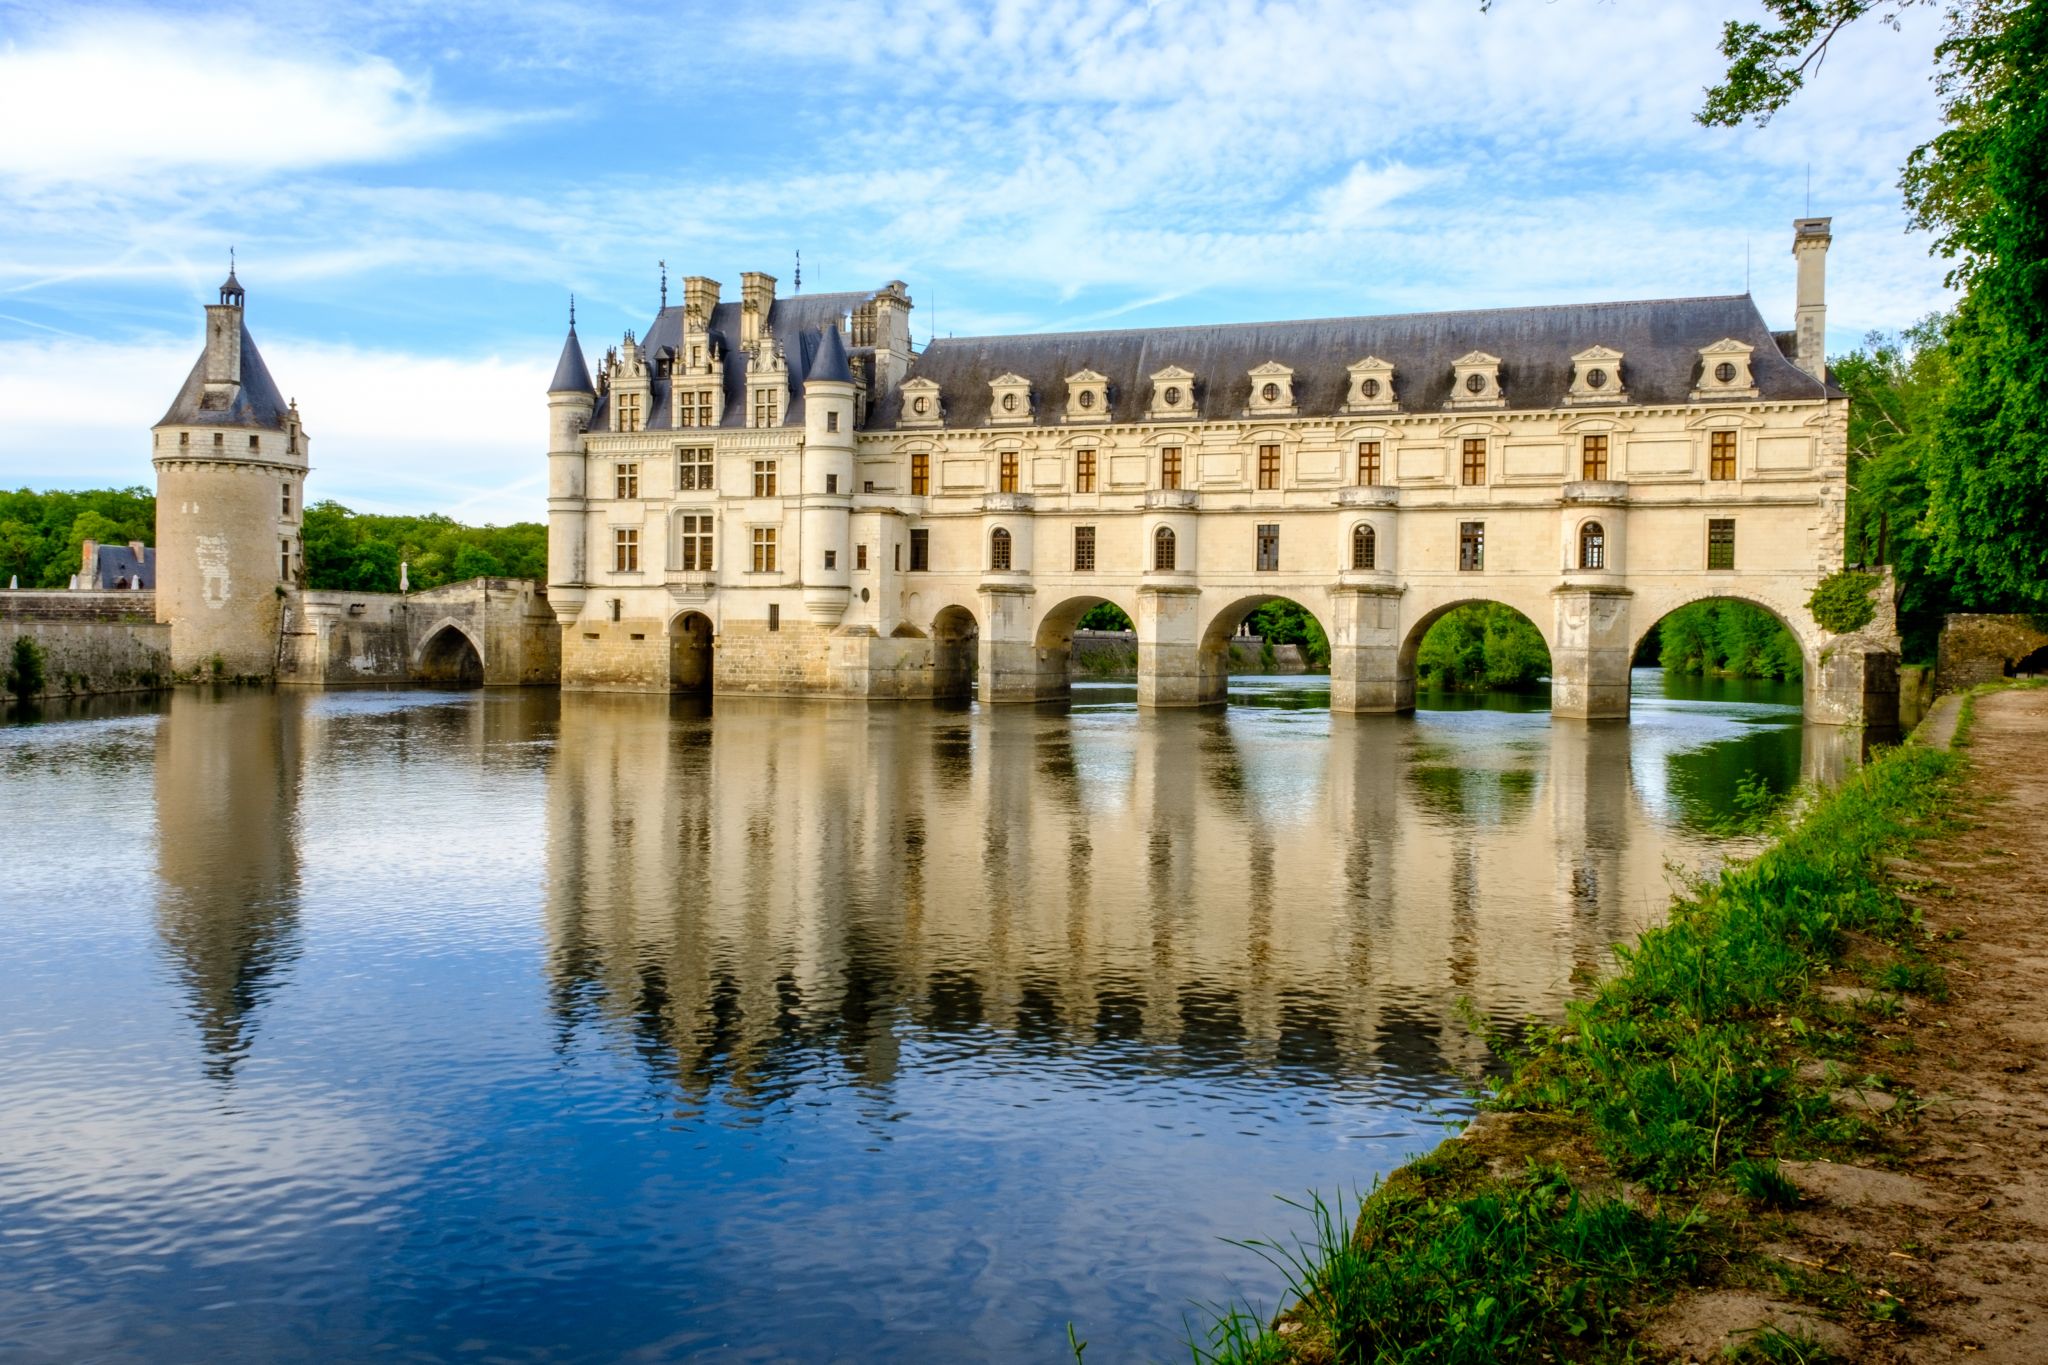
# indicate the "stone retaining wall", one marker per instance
pixel 1979 648
pixel 91 641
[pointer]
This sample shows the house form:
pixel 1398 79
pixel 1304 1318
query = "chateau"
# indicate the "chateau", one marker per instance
pixel 780 495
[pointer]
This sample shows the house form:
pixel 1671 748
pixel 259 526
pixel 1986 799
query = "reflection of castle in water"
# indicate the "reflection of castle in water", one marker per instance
pixel 801 887
pixel 227 787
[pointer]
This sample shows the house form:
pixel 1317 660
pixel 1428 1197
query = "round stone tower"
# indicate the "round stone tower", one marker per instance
pixel 230 461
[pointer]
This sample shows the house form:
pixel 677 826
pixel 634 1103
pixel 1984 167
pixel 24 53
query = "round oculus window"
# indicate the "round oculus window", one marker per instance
pixel 1725 372
pixel 1271 393
pixel 1173 398
pixel 1596 379
pixel 1009 402
pixel 1475 383
pixel 1087 398
pixel 921 406
pixel 1369 388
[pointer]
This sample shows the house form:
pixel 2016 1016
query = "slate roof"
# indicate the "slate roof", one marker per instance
pixel 112 563
pixel 571 374
pixel 795 322
pixel 1659 340
pixel 256 403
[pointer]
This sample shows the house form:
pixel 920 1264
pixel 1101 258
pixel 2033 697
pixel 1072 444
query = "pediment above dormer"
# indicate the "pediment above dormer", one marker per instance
pixel 1173 393
pixel 1596 377
pixel 1087 396
pixel 1372 386
pixel 1009 400
pixel 921 406
pixel 1272 390
pixel 1724 371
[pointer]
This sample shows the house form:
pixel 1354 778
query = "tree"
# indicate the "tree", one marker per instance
pixel 1981 186
pixel 473 562
pixel 1482 645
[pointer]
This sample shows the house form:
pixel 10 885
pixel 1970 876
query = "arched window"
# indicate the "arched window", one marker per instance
pixel 1365 547
pixel 1592 546
pixel 1162 549
pixel 999 549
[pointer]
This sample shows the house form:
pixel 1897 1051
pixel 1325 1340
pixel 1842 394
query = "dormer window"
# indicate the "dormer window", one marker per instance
pixel 1596 377
pixel 1372 386
pixel 1475 382
pixel 1272 391
pixel 1724 371
pixel 921 407
pixel 1173 393
pixel 1087 397
pixel 1009 400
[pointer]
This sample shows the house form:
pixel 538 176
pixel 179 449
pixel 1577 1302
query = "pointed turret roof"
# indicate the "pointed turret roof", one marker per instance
pixel 829 365
pixel 571 374
pixel 255 402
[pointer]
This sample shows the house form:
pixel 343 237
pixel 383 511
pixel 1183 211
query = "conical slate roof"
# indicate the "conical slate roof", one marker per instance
pixel 257 403
pixel 829 364
pixel 571 374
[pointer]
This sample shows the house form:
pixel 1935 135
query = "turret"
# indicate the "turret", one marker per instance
pixel 1810 239
pixel 231 459
pixel 828 477
pixel 571 399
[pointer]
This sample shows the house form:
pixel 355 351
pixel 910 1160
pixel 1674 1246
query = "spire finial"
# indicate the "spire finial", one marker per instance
pixel 572 312
pixel 664 282
pixel 799 273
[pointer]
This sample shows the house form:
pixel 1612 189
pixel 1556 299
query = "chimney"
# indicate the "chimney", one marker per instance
pixel 892 334
pixel 88 562
pixel 700 296
pixel 1810 238
pixel 757 296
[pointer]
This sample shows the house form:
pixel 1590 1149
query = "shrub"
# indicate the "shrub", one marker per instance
pixel 25 668
pixel 1842 601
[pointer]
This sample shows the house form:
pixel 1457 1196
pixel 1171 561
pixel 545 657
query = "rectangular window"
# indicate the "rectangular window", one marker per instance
pixel 764 549
pixel 219 440
pixel 284 556
pixel 1084 549
pixel 1169 467
pixel 831 483
pixel 626 480
pixel 1474 468
pixel 625 551
pixel 1471 546
pixel 694 409
pixel 629 411
pixel 899 557
pixel 832 420
pixel 184 438
pixel 1593 457
pixel 254 444
pixel 1006 481
pixel 1721 455
pixel 831 559
pixel 1368 463
pixel 1084 471
pixel 860 556
pixel 920 475
pixel 1269 547
pixel 920 551
pixel 693 543
pixel 1269 466
pixel 764 478
pixel 693 469
pixel 1721 543
pixel 774 616
pixel 287 499
pixel 764 408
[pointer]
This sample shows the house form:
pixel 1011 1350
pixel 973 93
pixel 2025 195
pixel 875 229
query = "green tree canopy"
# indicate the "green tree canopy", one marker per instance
pixel 41 532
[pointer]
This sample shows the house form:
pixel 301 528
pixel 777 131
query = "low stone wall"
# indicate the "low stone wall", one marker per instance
pixel 1916 694
pixel 332 637
pixel 1980 648
pixel 91 641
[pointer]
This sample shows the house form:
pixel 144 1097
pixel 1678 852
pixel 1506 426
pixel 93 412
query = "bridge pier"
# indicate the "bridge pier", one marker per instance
pixel 1173 667
pixel 1589 664
pixel 1366 675
pixel 1012 666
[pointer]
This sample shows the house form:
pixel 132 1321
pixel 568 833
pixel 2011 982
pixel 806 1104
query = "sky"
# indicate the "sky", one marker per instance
pixel 414 190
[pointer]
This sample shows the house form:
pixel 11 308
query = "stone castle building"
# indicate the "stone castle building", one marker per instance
pixel 780 495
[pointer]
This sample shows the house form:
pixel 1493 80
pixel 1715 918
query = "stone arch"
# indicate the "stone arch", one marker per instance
pixel 689 652
pixel 1649 609
pixel 449 656
pixel 1418 627
pixel 1053 637
pixel 1213 652
pixel 956 643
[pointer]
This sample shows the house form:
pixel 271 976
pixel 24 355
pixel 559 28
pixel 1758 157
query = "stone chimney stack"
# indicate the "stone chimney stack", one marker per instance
pixel 1810 238
pixel 757 296
pixel 700 296
pixel 892 335
pixel 224 342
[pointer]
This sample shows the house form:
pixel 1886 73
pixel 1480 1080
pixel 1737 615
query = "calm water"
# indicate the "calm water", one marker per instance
pixel 509 1027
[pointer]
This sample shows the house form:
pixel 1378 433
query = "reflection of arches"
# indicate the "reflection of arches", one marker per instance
pixel 1592 546
pixel 1163 549
pixel 689 653
pixel 1364 546
pixel 956 637
pixel 449 657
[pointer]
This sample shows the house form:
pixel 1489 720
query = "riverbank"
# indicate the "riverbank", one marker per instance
pixel 1800 1123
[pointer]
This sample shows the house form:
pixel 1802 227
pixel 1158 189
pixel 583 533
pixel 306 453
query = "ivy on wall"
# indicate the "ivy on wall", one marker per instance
pixel 1843 601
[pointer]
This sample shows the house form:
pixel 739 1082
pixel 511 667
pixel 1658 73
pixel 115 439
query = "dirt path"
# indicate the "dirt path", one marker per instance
pixel 1941 1253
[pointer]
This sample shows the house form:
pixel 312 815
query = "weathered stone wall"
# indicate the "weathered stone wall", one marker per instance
pixel 333 637
pixel 91 641
pixel 1978 648
pixel 1916 694
pixel 336 638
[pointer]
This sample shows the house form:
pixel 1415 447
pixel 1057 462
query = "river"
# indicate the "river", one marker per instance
pixel 510 1026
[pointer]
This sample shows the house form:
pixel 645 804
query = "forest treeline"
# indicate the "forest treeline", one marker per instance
pixel 42 534
pixel 361 551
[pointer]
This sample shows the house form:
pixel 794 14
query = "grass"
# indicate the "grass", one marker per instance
pixel 1675 1081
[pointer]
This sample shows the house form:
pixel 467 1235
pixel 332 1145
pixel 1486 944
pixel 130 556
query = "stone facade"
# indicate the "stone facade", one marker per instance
pixel 92 641
pixel 783 487
pixel 493 632
pixel 1980 648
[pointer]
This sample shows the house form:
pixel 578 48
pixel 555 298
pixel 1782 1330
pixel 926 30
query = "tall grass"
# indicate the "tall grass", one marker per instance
pixel 1678 1071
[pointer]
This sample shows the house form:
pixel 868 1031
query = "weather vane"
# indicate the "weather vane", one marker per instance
pixel 664 282
pixel 799 272
pixel 572 312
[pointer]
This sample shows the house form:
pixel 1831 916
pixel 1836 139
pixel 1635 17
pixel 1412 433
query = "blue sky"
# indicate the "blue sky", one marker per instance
pixel 413 190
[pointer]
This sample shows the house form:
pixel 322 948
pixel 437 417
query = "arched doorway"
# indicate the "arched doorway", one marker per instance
pixel 956 645
pixel 450 659
pixel 689 653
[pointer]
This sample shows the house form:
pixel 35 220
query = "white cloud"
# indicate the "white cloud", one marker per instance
pixel 116 96
pixel 390 432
